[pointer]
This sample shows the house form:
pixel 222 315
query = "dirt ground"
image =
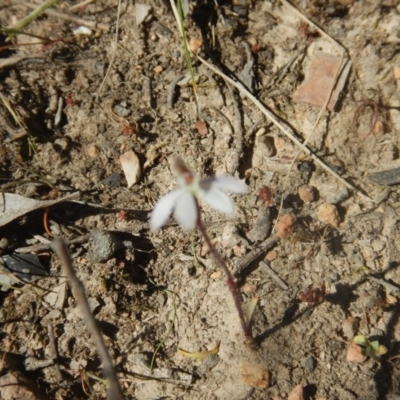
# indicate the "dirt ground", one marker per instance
pixel 155 293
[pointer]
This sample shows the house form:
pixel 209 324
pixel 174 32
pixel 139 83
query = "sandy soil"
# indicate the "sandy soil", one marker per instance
pixel 155 293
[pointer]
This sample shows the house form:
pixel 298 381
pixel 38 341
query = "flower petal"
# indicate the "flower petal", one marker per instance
pixel 186 210
pixel 228 183
pixel 218 200
pixel 163 209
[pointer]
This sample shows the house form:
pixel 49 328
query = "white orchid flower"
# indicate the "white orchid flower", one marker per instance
pixel 183 201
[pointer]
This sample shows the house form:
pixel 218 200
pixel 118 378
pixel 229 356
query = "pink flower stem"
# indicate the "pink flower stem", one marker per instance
pixel 230 280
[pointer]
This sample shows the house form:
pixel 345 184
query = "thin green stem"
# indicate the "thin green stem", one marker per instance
pixel 33 15
pixel 230 280
pixel 186 47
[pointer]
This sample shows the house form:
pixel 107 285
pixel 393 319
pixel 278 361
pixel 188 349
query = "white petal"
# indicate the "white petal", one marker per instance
pixel 228 183
pixel 218 200
pixel 186 210
pixel 163 209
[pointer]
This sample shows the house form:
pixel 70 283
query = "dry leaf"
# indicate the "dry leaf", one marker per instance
pixel 13 206
pixel 131 167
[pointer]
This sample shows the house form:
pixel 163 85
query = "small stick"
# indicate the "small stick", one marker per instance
pixel 114 51
pixel 114 390
pixel 68 17
pixel 53 352
pixel 46 243
pixel 81 5
pixel 171 91
pixel 270 116
pixel 46 221
pixel 264 246
pixel 315 26
pixel 224 117
pixel 280 126
pixel 389 287
pixel 278 281
pixel 238 131
pixel 37 10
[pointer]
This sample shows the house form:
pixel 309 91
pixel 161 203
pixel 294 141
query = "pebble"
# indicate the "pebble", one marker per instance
pixel 307 193
pixel 112 180
pixel 349 327
pixel 14 385
pixel 131 167
pixel 338 196
pixel 308 363
pixel 195 44
pixel 121 111
pixel 386 178
pixel 271 255
pixel 328 214
pixel 285 225
pixel 254 375
pixel 61 143
pixel 354 354
pixel 297 393
pixel 332 277
pixel 229 237
pixel 262 225
pixel 263 148
pixel 92 151
pixel 103 245
pixel 396 72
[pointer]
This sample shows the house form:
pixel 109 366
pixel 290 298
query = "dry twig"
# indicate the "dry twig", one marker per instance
pixel 114 51
pixel 281 127
pixel 238 132
pixel 68 17
pixel 114 390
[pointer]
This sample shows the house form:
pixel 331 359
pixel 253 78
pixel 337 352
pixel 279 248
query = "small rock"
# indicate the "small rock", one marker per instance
pixel 328 214
pixel 248 288
pixel 92 151
pixel 254 375
pixel 61 144
pixel 131 167
pixel 141 12
pixel 379 128
pixel 57 296
pixel 33 363
pixel 262 225
pixel 216 275
pixel 271 255
pixel 396 72
pixel 14 386
pixel 332 277
pixel 103 245
pixel 339 196
pixel 308 363
pixel 121 111
pixel 263 148
pixel 229 237
pixel 285 225
pixel 297 393
pixel 318 81
pixel 201 127
pixel 195 44
pixel 354 354
pixel 93 304
pixel 307 193
pixel 350 326
pixel 113 180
